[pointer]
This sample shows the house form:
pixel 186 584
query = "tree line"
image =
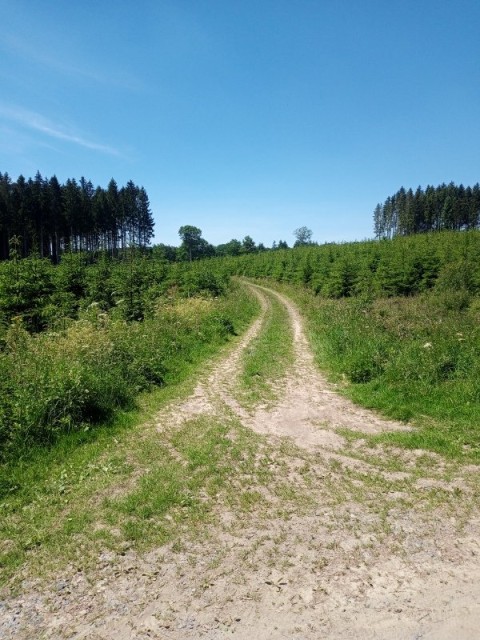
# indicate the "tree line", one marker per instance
pixel 445 207
pixel 194 247
pixel 44 216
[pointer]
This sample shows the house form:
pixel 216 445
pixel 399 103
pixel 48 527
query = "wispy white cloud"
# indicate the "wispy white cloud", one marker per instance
pixel 40 54
pixel 37 122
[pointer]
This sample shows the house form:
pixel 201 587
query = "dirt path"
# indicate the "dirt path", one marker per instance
pixel 384 544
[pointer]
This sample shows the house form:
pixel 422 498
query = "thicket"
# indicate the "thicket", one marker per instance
pixel 42 295
pixel 79 340
pixel 194 247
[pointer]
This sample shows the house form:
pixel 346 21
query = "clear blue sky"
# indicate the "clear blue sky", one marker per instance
pixel 240 116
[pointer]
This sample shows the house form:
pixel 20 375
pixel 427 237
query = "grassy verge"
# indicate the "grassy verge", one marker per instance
pixel 268 356
pixel 69 380
pixel 142 490
pixel 124 490
pixel 50 498
pixel 415 359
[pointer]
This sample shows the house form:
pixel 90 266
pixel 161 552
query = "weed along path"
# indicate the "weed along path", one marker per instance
pixel 260 507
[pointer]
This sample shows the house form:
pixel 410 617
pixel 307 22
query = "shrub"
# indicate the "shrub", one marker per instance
pixel 62 381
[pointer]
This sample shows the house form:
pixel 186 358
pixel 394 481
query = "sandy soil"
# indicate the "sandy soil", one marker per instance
pixel 388 546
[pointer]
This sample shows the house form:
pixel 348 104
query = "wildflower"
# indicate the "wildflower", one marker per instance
pixel 427 345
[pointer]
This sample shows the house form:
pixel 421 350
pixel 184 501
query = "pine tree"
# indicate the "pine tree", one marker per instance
pixel 145 219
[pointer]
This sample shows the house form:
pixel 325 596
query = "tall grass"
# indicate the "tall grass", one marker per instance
pixel 415 359
pixel 396 324
pixel 74 378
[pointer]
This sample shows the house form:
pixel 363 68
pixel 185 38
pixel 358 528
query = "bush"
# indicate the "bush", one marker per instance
pixel 55 382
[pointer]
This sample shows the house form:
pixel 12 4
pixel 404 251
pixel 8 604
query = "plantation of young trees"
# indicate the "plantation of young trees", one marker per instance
pixel 404 266
pixel 446 207
pixel 51 218
pixel 88 317
pixel 80 338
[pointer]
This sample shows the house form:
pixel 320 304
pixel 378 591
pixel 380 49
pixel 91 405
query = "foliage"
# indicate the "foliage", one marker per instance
pixel 193 245
pixel 52 219
pixel 26 287
pixel 202 249
pixel 232 248
pixel 248 245
pixel 433 209
pixel 95 354
pixel 403 266
pixel 303 236
pixel 44 295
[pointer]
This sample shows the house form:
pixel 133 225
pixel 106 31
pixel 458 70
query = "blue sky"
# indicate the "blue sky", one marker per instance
pixel 240 116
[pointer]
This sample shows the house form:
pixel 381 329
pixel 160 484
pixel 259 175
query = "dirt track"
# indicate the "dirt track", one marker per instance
pixel 387 546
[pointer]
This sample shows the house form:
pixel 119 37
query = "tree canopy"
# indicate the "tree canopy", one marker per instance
pixel 193 245
pixel 446 207
pixel 52 218
pixel 303 236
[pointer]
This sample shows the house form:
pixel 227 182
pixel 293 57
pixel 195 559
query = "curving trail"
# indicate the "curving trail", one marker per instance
pixel 309 411
pixel 369 555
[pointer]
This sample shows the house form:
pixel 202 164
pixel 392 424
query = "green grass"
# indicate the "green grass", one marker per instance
pixel 414 359
pixel 139 490
pixel 182 490
pixel 58 382
pixel 268 357
pixel 44 495
pixel 51 497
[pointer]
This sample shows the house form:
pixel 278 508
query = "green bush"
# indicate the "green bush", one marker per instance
pixel 61 381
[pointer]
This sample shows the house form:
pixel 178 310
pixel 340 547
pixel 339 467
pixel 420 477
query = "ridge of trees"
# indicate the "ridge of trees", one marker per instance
pixel 443 208
pixel 51 218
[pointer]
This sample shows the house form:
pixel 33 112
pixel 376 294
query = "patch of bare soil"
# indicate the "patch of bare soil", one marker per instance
pixel 385 544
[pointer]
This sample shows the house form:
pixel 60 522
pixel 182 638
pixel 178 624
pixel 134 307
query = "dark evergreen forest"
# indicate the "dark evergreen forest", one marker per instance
pixel 446 207
pixel 43 216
